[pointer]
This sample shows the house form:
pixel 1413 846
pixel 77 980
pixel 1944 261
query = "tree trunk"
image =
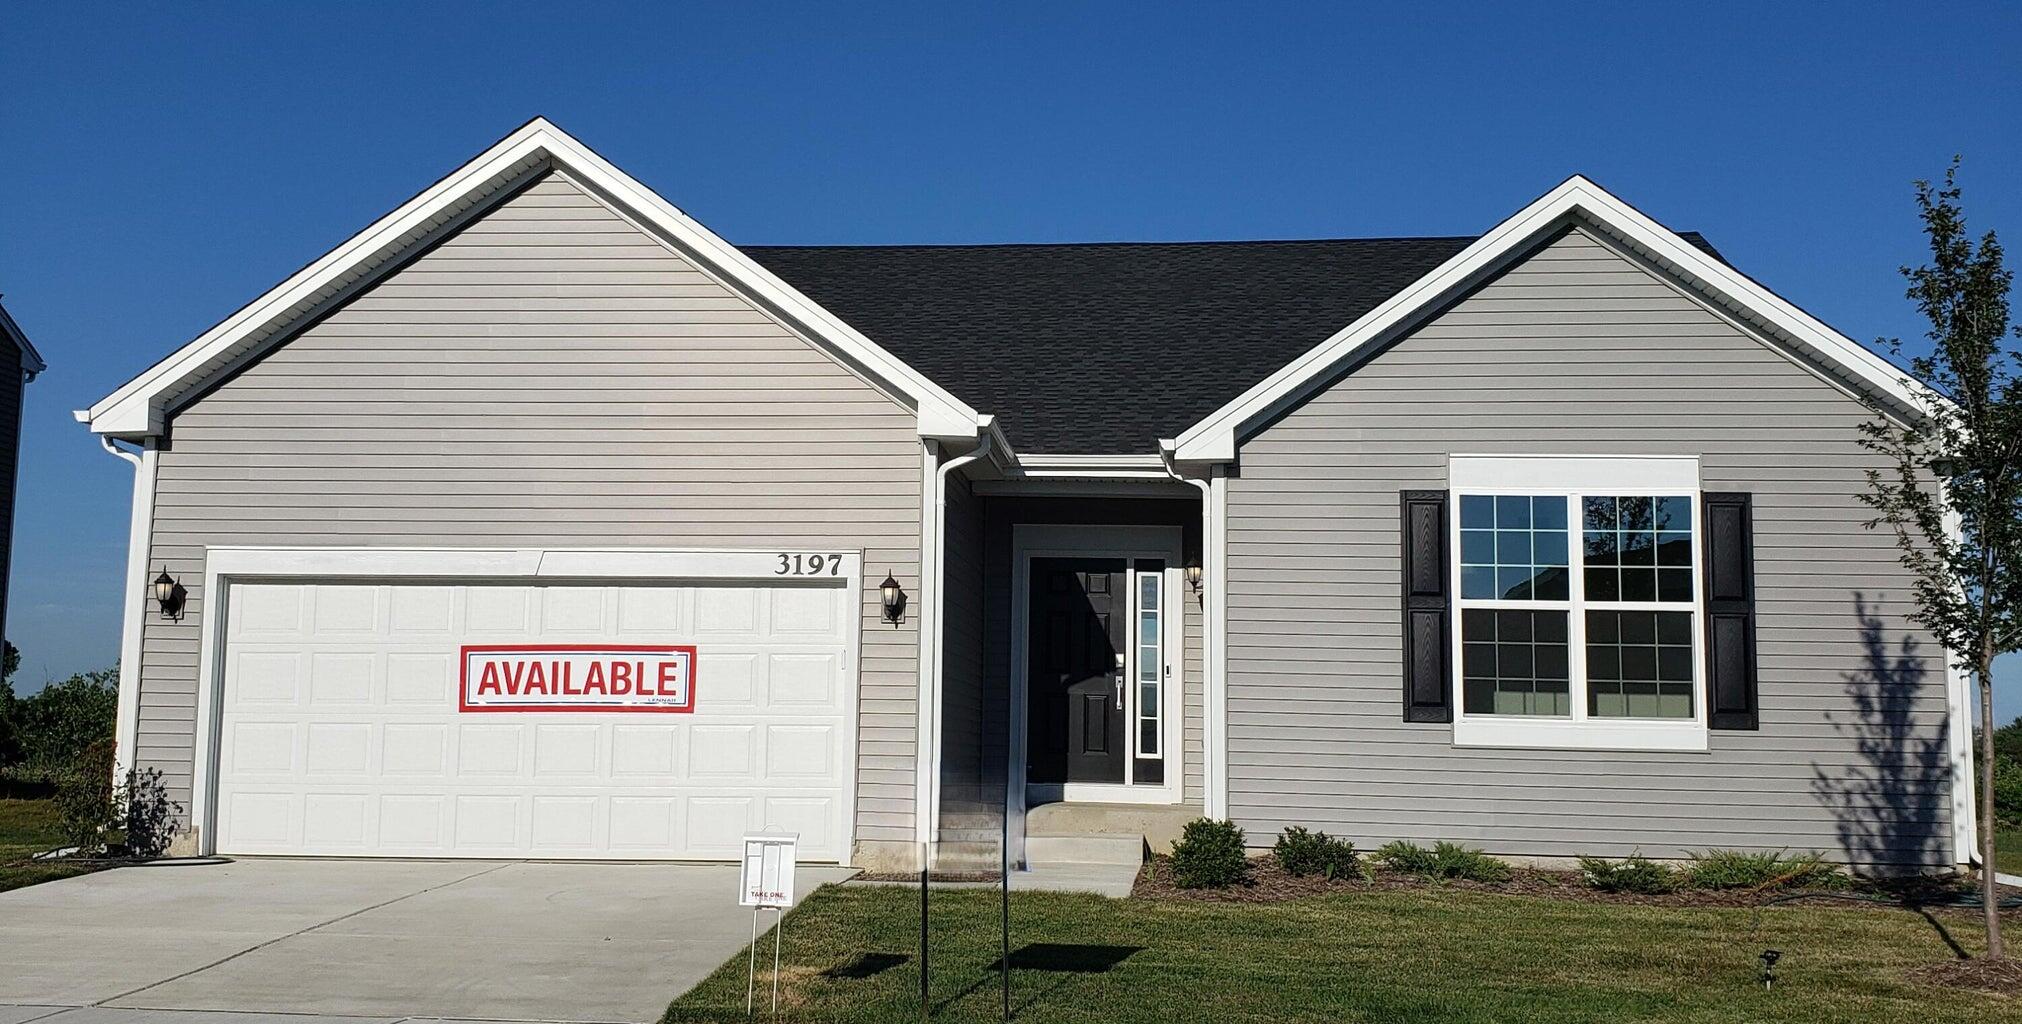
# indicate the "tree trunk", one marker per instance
pixel 1990 890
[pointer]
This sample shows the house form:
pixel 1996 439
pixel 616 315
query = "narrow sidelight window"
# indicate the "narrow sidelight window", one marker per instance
pixel 1150 659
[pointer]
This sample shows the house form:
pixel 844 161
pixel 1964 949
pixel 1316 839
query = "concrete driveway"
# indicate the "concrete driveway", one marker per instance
pixel 369 941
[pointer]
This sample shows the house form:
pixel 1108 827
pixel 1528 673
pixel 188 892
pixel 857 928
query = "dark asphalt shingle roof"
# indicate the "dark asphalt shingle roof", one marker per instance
pixel 1104 347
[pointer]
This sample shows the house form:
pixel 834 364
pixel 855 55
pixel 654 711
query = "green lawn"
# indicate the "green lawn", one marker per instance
pixel 2008 851
pixel 1423 955
pixel 28 827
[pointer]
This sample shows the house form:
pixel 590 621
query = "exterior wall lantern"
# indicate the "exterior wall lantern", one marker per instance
pixel 1193 574
pixel 169 594
pixel 893 598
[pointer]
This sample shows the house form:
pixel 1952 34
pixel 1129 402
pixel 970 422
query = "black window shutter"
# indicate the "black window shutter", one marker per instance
pixel 1730 611
pixel 1428 690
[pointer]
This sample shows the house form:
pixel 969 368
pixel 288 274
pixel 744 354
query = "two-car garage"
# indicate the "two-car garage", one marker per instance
pixel 347 724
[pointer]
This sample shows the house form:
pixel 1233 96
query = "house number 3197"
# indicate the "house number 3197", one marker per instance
pixel 808 565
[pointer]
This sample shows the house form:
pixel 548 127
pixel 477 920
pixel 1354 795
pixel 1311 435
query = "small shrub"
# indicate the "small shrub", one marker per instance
pixel 150 814
pixel 1443 860
pixel 1209 855
pixel 1741 869
pixel 1636 874
pixel 86 805
pixel 1300 852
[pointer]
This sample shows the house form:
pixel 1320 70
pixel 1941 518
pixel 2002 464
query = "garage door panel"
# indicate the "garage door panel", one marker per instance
pixel 341 610
pixel 726 612
pixel 341 732
pixel 730 678
pixel 342 679
pixel 804 682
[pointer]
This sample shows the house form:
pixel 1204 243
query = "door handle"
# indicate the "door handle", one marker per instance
pixel 1118 678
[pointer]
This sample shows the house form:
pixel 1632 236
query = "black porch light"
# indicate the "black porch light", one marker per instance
pixel 168 593
pixel 893 598
pixel 1193 574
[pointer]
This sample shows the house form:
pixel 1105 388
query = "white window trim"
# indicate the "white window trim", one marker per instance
pixel 1565 476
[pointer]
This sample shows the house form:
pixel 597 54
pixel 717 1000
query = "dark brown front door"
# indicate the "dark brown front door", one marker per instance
pixel 1075 671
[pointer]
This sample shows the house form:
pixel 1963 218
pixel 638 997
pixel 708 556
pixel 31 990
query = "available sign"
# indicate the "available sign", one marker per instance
pixel 578 677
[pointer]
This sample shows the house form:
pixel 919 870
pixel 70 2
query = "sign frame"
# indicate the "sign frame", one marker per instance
pixel 463 695
pixel 777 851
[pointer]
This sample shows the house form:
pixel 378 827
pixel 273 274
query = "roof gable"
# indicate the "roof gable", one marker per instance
pixel 1575 202
pixel 139 408
pixel 31 360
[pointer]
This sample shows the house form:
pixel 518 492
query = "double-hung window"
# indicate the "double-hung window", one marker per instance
pixel 1577 602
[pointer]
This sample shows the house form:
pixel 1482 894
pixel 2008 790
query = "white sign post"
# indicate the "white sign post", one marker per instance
pixel 766 884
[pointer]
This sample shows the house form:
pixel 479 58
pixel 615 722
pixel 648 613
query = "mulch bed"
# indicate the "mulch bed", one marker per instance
pixel 1270 884
pixel 2003 976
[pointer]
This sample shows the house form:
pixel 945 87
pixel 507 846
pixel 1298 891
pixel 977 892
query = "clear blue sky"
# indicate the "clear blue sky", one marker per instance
pixel 163 168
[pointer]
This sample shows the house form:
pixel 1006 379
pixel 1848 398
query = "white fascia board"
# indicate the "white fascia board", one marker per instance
pixel 1214 438
pixel 1114 467
pixel 137 408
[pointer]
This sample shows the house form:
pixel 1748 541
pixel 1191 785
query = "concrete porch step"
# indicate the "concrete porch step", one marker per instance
pixel 1066 836
pixel 1049 851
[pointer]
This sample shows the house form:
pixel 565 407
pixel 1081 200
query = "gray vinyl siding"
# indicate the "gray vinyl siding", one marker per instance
pixel 967 788
pixel 1577 350
pixel 549 376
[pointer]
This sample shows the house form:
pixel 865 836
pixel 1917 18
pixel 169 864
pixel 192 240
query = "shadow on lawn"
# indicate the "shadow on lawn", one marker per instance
pixel 866 965
pixel 1063 959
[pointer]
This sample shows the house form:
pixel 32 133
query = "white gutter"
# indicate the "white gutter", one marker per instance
pixel 1213 774
pixel 134 600
pixel 936 628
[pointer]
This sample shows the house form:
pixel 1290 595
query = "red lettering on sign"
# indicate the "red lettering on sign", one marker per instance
pixel 577 677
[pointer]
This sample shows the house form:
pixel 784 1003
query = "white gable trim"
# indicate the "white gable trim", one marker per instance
pixel 139 408
pixel 1214 439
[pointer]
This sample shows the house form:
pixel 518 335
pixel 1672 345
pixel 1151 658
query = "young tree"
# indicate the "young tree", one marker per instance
pixel 1953 489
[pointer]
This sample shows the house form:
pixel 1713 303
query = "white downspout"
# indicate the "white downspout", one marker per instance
pixel 126 729
pixel 937 628
pixel 1210 667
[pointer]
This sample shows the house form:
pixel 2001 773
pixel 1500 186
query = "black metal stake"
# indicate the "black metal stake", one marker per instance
pixel 1004 878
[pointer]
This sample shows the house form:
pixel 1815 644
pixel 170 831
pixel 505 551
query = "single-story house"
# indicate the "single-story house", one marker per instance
pixel 537 520
pixel 19 364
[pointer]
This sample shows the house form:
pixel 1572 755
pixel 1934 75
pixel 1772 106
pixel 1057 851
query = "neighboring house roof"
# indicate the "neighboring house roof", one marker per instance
pixel 140 407
pixel 31 360
pixel 1105 347
pixel 1576 202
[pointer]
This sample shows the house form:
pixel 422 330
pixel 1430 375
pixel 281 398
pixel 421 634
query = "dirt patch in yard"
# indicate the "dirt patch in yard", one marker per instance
pixel 2003 976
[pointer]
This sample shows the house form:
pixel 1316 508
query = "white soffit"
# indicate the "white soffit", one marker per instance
pixel 1214 438
pixel 139 408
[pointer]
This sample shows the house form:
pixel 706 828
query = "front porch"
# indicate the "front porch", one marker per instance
pixel 1071 712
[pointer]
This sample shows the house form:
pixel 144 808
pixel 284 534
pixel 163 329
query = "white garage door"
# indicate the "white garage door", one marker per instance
pixel 342 734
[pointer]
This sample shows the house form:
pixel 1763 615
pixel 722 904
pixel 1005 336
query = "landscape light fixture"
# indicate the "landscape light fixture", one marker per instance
pixel 169 594
pixel 893 599
pixel 1769 959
